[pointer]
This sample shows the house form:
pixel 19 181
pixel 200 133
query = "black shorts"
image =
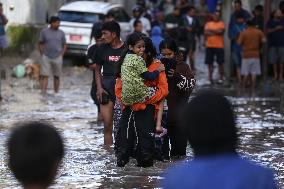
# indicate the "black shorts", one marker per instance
pixel 211 53
pixel 109 86
pixel 93 93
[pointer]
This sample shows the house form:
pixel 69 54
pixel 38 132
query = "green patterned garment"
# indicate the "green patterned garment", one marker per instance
pixel 133 88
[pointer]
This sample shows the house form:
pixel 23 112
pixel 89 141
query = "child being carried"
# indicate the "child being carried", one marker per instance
pixel 134 73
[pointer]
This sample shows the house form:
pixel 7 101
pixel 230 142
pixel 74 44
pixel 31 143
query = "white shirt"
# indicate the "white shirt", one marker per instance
pixel 189 19
pixel 145 23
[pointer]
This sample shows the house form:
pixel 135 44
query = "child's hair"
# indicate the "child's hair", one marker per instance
pixel 169 43
pixel 35 150
pixel 131 40
pixel 150 51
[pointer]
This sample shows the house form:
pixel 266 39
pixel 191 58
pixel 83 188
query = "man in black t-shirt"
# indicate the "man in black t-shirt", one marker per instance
pixel 110 53
pixel 93 57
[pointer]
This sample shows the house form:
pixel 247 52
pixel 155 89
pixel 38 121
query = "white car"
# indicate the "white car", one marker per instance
pixel 77 19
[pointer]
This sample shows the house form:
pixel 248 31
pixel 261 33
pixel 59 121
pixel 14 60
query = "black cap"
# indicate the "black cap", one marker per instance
pixel 137 9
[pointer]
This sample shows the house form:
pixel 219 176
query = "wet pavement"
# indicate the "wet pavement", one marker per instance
pixel 88 165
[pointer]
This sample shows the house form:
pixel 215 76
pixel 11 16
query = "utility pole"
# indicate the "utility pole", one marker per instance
pixel 226 14
pixel 267 7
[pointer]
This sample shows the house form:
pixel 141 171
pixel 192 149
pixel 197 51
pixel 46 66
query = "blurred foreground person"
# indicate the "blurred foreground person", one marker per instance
pixel 209 123
pixel 35 152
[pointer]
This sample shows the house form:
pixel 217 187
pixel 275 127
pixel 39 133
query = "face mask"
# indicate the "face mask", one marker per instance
pixel 169 63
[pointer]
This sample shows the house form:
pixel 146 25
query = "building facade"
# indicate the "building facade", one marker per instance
pixel 30 11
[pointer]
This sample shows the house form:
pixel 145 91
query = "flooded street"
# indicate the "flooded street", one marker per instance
pixel 88 165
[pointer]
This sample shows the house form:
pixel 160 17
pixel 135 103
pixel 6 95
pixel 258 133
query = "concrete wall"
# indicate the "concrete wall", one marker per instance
pixel 37 11
pixel 30 11
pixel 25 11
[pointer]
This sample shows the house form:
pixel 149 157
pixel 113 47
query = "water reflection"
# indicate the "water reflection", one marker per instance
pixel 88 165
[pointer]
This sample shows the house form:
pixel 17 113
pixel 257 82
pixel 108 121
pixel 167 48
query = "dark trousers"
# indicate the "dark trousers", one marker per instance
pixel 177 139
pixel 162 145
pixel 135 137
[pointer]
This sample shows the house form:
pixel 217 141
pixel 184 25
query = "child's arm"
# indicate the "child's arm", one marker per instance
pixel 151 76
pixel 159 128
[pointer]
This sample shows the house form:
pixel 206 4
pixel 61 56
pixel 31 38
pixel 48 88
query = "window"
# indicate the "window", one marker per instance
pixel 120 15
pixel 81 17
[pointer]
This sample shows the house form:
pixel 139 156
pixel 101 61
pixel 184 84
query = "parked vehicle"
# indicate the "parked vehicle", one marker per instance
pixel 77 19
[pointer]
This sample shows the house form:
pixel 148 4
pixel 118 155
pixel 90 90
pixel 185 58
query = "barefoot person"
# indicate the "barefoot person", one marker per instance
pixel 110 53
pixel 52 46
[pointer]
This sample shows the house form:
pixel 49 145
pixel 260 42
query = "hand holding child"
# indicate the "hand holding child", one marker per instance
pixel 161 68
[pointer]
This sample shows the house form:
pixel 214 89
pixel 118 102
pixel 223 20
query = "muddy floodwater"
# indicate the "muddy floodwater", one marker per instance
pixel 88 165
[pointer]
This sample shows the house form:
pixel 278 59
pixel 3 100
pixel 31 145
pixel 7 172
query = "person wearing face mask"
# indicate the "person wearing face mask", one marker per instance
pixel 181 83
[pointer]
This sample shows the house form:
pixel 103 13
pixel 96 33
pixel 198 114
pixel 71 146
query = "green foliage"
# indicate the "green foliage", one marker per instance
pixel 20 36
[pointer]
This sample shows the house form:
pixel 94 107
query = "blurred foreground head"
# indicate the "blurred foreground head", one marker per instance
pixel 209 123
pixel 35 151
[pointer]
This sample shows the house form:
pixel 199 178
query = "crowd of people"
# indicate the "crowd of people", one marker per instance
pixel 194 25
pixel 135 80
pixel 198 25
